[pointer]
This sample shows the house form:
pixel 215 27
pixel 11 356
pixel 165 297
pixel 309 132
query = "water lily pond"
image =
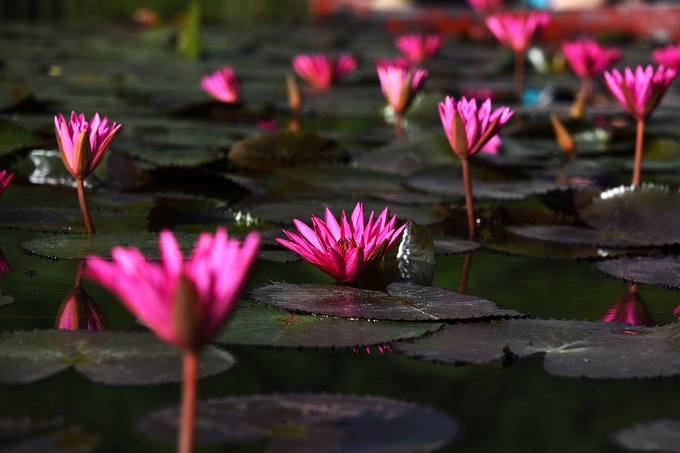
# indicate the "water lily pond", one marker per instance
pixel 450 343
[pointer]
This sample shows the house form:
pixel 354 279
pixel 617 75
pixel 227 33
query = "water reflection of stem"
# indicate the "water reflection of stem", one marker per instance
pixel 79 275
pixel 465 273
pixel 468 196
pixel 185 442
pixel 639 139
pixel 83 205
pixel 519 73
pixel 400 130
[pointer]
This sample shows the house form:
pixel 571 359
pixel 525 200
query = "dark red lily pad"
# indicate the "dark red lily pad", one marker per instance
pixel 403 302
pixel 664 272
pixel 307 423
pixel 657 436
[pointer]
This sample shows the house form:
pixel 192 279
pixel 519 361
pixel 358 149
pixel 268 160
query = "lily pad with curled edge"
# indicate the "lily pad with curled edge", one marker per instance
pixel 598 350
pixel 276 150
pixel 113 358
pixel 657 436
pixel 403 302
pixel 310 423
pixel 664 272
pixel 262 325
pixel 447 180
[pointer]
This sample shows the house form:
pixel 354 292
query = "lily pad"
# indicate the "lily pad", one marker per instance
pixel 308 423
pixel 261 325
pixel 578 236
pixel 664 272
pixel 113 358
pixel 403 302
pixel 657 436
pixel 598 350
pixel 64 440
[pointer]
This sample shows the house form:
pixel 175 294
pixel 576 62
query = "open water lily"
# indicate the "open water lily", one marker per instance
pixel 321 71
pixel 419 48
pixel 399 83
pixel 345 250
pixel 589 60
pixel 5 179
pixel 668 56
pixel 222 85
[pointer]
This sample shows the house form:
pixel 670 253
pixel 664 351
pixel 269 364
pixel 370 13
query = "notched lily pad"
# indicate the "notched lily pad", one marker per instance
pixel 403 302
pixel 262 325
pixel 114 358
pixel 309 423
pixel 658 436
pixel 276 150
pixel 664 272
pixel 598 350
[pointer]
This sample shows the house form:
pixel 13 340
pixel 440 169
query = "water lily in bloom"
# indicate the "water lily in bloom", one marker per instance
pixel 639 92
pixel 399 84
pixel 222 85
pixel 321 71
pixel 669 56
pixel 5 179
pixel 344 250
pixel 419 48
pixel 589 60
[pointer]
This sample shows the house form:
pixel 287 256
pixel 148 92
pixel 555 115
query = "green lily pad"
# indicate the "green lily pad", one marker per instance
pixel 307 423
pixel 403 302
pixel 77 246
pixel 113 358
pixel 261 325
pixel 6 299
pixel 664 272
pixel 656 436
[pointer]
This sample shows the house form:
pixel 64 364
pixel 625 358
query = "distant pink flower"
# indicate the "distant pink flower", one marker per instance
pixel 630 309
pixel 480 125
pixel 78 311
pixel 4 265
pixel 399 84
pixel 344 250
pixel 639 92
pixel 267 125
pixel 669 56
pixel 5 179
pixel 587 58
pixel 419 48
pixel 83 144
pixel 517 31
pixel 486 6
pixel 321 71
pixel 222 85
pixel 183 302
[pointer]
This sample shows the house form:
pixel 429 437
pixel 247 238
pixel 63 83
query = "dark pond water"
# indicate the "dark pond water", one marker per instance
pixel 167 168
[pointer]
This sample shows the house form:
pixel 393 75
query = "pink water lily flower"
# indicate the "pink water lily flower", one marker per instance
pixel 78 311
pixel 222 85
pixel 419 48
pixel 669 56
pixel 321 71
pixel 399 83
pixel 344 250
pixel 639 92
pixel 183 302
pixel 517 31
pixel 5 179
pixel 82 143
pixel 587 58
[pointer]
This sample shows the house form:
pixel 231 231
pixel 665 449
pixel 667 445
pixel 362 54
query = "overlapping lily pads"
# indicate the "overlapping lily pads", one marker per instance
pixel 597 350
pixel 307 423
pixel 403 302
pixel 114 358
pixel 657 436
pixel 664 272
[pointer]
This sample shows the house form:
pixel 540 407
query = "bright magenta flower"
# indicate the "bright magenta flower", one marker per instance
pixel 399 83
pixel 78 311
pixel 222 85
pixel 640 92
pixel 669 56
pixel 587 58
pixel 517 31
pixel 83 144
pixel 630 309
pixel 344 250
pixel 183 302
pixel 479 125
pixel 419 48
pixel 321 71
pixel 5 179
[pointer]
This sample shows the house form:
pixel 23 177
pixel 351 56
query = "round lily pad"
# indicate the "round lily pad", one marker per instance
pixel 656 436
pixel 309 423
pixel 262 325
pixel 403 302
pixel 598 350
pixel 113 358
pixel 664 272
pixel 445 247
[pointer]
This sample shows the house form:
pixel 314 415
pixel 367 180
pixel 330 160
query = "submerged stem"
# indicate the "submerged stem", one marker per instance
pixel 83 205
pixel 468 196
pixel 639 140
pixel 185 440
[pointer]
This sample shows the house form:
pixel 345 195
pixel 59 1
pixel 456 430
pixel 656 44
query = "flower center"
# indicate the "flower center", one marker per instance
pixel 345 244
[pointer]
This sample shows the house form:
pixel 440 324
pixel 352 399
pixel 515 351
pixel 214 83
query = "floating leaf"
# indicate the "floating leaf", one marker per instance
pixel 77 246
pixel 308 423
pixel 445 247
pixel 598 350
pixel 577 236
pixel 664 272
pixel 656 436
pixel 6 299
pixel 261 325
pixel 164 216
pixel 403 302
pixel 114 358
pixel 64 440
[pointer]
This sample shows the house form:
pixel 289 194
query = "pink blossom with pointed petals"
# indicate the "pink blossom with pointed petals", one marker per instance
pixel 517 31
pixel 5 179
pixel 344 250
pixel 222 85
pixel 78 311
pixel 630 309
pixel 587 58
pixel 419 48
pixel 481 125
pixel 399 84
pixel 639 92
pixel 669 56
pixel 321 71
pixel 216 272
pixel 486 6
pixel 99 134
